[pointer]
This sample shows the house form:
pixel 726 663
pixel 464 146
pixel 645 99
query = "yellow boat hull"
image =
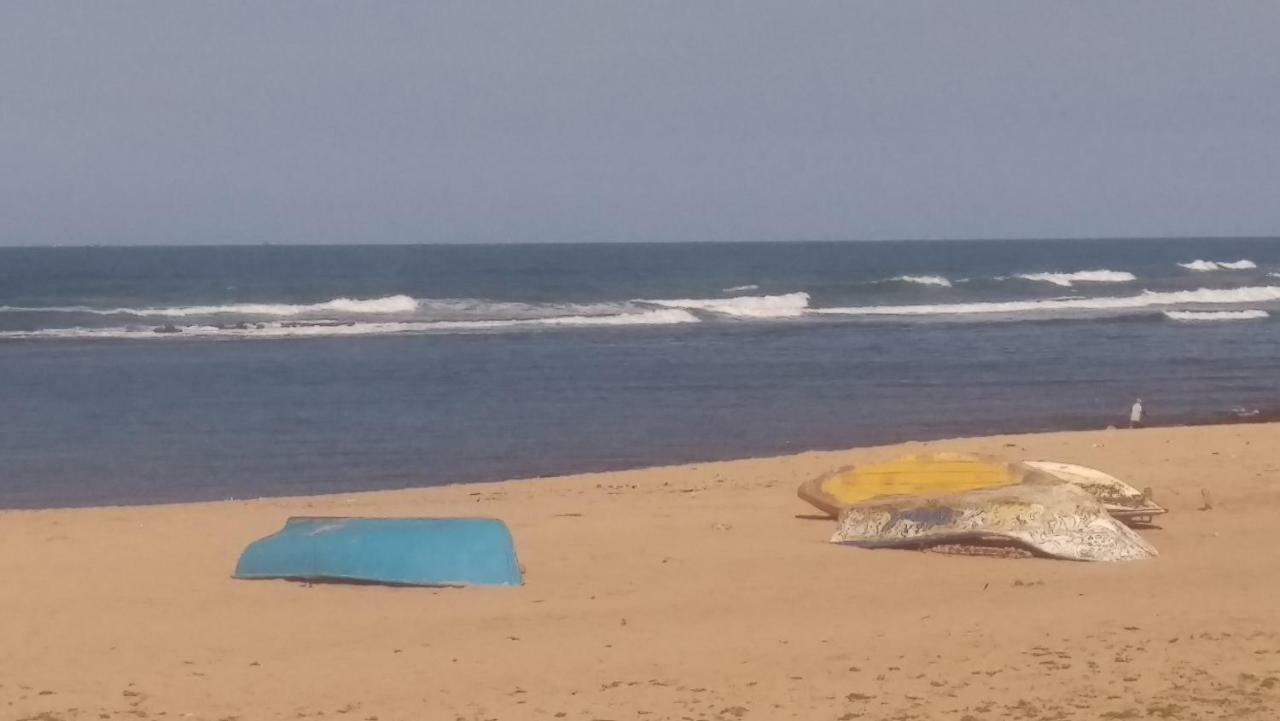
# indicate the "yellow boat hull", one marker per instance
pixel 937 474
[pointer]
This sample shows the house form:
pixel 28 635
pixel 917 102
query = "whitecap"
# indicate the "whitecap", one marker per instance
pixel 1143 300
pixel 1066 280
pixel 789 305
pixel 1211 265
pixel 1203 315
pixel 935 280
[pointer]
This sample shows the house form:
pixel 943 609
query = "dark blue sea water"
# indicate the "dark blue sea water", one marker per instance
pixel 298 370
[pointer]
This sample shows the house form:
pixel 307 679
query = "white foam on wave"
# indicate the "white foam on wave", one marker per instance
pixel 482 309
pixel 1202 266
pixel 790 305
pixel 1066 280
pixel 1146 299
pixel 320 329
pixel 1203 315
pixel 373 306
pixel 673 316
pixel 935 280
pixel 739 288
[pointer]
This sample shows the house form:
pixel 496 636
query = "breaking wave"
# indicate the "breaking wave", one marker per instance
pixel 401 314
pixel 1083 276
pixel 1210 265
pixel 315 329
pixel 925 280
pixel 435 309
pixel 1146 299
pixel 373 306
pixel 1202 315
pixel 790 305
pixel 739 288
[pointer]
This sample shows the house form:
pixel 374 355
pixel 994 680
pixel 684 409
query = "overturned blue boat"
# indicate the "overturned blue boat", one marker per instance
pixel 389 551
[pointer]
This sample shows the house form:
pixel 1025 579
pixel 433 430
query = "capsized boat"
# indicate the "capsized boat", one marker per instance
pixel 1121 500
pixel 916 475
pixel 1058 520
pixel 950 473
pixel 390 551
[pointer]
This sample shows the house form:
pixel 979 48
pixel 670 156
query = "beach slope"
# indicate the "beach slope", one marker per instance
pixel 695 592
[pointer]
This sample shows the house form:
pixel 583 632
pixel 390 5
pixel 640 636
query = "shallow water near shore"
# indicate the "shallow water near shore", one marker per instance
pixel 311 370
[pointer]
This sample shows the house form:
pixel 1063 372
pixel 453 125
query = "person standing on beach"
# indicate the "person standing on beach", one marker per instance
pixel 1136 414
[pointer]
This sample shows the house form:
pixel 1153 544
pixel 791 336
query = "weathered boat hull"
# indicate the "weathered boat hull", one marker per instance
pixel 1057 520
pixel 1119 498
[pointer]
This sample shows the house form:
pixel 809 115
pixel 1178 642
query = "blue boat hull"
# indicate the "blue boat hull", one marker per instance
pixel 392 551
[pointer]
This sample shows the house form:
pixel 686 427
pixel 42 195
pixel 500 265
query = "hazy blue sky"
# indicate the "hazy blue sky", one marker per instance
pixel 323 122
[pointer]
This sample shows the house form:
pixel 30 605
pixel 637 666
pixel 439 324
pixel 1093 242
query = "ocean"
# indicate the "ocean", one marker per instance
pixel 147 375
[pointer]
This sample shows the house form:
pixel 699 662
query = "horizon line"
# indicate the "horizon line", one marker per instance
pixel 994 239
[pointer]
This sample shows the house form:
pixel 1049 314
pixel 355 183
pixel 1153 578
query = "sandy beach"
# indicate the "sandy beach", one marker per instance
pixel 696 592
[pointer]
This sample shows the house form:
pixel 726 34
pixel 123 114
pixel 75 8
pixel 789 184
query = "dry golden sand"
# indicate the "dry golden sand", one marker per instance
pixel 698 592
